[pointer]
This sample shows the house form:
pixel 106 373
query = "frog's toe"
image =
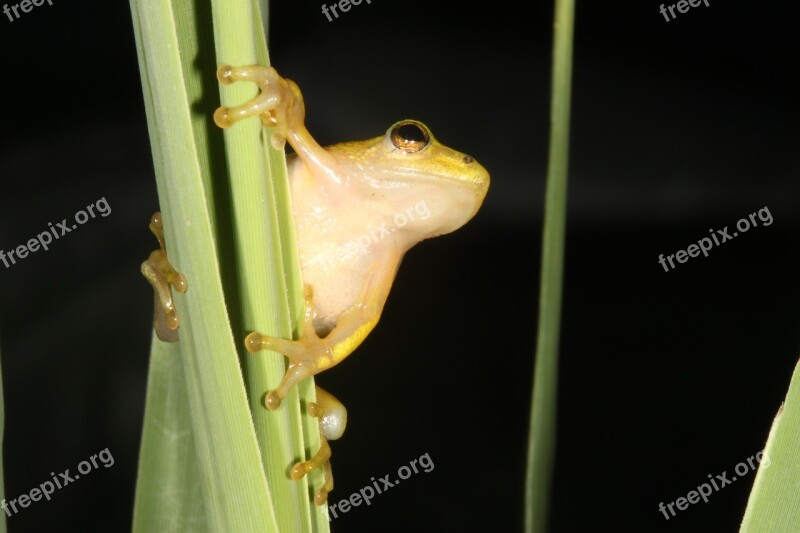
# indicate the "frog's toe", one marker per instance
pixel 327 485
pixel 271 87
pixel 300 353
pixel 272 400
pixel 225 74
pixel 165 322
pixel 332 417
pixel 163 278
pixel 320 460
pixel 279 103
pixel 256 342
pixel 225 117
pixel 222 117
pixel 260 74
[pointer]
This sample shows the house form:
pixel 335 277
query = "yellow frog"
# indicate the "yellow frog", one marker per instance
pixel 358 207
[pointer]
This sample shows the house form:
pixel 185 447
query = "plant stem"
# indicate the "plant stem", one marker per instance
pixel 541 444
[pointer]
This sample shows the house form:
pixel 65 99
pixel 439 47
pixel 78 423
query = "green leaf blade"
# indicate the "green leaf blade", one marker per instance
pixel 268 289
pixel 774 504
pixel 235 492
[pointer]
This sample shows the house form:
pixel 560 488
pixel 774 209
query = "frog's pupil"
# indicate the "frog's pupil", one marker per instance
pixel 411 133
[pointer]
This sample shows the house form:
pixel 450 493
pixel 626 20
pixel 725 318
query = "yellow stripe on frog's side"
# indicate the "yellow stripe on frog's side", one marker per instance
pixel 346 346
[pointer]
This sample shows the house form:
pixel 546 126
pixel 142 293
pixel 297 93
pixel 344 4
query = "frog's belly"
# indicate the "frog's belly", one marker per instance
pixel 337 287
pixel 338 250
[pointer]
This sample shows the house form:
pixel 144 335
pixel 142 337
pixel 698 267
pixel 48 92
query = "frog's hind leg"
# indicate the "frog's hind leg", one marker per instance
pixel 310 354
pixel 294 350
pixel 332 417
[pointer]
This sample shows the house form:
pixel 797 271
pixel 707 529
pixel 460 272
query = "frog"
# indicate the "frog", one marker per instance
pixel 358 207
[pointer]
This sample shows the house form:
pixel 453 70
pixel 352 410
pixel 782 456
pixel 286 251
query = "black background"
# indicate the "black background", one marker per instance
pixel 666 377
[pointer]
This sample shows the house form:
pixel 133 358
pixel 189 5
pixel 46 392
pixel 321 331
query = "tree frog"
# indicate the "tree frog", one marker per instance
pixel 358 207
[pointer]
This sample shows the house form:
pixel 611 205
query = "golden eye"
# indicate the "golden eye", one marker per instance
pixel 409 136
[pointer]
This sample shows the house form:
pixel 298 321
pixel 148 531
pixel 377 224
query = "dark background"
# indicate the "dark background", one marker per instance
pixel 666 378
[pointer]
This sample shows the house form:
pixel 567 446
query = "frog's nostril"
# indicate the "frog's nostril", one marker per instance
pixel 468 159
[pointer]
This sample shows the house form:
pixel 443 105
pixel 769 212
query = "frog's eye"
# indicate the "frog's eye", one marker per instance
pixel 409 136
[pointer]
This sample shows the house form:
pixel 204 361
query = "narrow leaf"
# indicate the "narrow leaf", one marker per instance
pixel 774 503
pixel 541 445
pixel 235 492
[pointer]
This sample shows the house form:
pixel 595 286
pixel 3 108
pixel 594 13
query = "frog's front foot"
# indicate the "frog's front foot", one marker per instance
pixel 332 417
pixel 308 355
pixel 159 272
pixel 279 104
